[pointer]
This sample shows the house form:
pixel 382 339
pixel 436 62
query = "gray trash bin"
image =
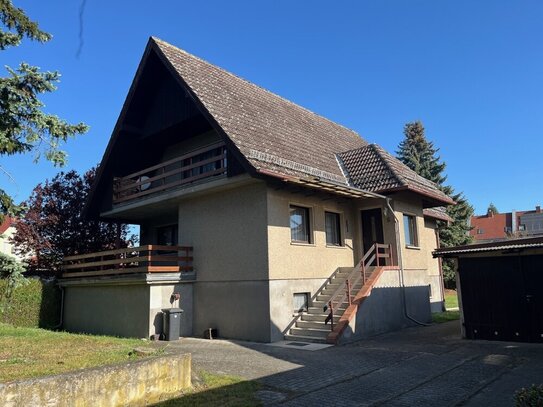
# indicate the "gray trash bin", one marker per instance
pixel 171 323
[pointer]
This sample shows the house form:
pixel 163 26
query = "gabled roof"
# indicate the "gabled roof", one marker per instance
pixel 270 131
pixel 6 224
pixel 372 168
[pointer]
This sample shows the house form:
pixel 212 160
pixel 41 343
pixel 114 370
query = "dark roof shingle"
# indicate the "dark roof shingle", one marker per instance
pixel 373 169
pixel 265 127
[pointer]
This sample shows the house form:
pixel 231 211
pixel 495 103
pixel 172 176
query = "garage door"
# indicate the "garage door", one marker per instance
pixel 502 297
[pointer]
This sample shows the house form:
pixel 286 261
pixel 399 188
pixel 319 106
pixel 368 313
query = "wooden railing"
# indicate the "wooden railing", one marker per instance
pixel 361 272
pixel 142 259
pixel 203 163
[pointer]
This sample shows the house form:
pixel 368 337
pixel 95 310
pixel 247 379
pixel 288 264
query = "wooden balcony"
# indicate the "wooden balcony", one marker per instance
pixel 203 163
pixel 142 259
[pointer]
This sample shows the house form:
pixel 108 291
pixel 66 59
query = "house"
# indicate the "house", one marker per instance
pixel 259 218
pixel 7 230
pixel 500 289
pixel 499 226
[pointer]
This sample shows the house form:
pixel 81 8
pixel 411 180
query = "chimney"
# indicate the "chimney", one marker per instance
pixel 538 209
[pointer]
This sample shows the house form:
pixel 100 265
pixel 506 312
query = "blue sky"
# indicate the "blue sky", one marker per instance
pixel 472 72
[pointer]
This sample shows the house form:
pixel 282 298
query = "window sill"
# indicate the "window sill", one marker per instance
pixel 412 247
pixel 302 244
pixel 334 246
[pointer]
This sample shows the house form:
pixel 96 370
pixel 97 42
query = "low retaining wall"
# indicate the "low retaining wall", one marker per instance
pixel 135 384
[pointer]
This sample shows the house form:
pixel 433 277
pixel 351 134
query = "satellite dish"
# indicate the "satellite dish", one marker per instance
pixel 146 185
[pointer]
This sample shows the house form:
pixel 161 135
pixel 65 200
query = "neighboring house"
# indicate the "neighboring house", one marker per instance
pixel 500 289
pixel 257 217
pixel 501 226
pixel 7 230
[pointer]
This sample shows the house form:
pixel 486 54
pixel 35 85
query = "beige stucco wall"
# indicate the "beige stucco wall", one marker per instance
pixel 289 260
pixel 228 233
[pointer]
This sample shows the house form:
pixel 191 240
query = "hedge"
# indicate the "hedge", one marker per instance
pixel 34 304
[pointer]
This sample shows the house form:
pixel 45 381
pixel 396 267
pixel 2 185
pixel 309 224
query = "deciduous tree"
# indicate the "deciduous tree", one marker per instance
pixel 53 226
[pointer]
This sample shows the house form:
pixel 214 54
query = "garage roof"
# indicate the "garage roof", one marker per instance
pixel 511 244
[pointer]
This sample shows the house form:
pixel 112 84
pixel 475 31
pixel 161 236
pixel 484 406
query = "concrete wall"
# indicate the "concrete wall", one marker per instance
pixel 119 310
pixel 229 235
pixel 124 306
pixel 136 384
pixel 383 311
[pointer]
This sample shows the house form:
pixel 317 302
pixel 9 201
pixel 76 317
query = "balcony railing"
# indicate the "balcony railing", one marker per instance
pixel 203 163
pixel 142 259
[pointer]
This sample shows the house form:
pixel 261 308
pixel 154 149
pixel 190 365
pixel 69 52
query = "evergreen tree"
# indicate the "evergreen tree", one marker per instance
pixel 24 127
pixel 492 209
pixel 420 155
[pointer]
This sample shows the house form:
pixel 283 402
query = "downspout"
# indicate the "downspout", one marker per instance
pixel 400 264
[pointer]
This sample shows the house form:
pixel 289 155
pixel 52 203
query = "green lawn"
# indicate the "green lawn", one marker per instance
pixel 217 390
pixel 32 352
pixel 451 299
pixel 439 317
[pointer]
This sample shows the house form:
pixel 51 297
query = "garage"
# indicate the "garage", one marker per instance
pixel 500 289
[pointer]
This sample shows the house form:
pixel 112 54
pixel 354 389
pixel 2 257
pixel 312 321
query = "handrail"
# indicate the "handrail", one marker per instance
pixel 359 272
pixel 156 177
pixel 147 258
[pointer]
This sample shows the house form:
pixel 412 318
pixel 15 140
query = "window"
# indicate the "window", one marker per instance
pixel 332 228
pixel 521 227
pixel 167 235
pixel 480 231
pixel 301 301
pixel 410 229
pixel 299 224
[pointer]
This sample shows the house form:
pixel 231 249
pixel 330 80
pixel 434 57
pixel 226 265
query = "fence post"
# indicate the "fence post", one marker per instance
pixel 348 283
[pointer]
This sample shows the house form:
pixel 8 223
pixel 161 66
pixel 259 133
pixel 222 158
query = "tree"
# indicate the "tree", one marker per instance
pixel 24 126
pixel 492 209
pixel 420 155
pixel 53 226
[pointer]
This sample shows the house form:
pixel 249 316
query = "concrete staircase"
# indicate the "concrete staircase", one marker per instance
pixel 310 326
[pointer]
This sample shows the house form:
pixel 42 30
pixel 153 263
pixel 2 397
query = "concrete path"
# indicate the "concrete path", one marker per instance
pixel 424 366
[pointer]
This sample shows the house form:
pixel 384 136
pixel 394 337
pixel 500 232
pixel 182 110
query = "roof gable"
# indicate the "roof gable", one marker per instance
pixel 374 169
pixel 266 128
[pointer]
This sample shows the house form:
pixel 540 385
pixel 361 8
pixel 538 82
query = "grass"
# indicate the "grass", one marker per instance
pixel 440 317
pixel 33 352
pixel 451 299
pixel 215 390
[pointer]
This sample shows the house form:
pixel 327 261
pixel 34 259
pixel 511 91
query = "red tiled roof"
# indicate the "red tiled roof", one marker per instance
pixel 6 224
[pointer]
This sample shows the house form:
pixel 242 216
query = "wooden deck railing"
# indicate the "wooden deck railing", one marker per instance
pixel 203 163
pixel 142 259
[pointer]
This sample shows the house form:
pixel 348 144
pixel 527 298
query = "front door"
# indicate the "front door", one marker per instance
pixel 372 228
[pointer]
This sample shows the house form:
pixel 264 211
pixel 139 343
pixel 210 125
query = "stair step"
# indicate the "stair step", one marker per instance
pixel 318 310
pixel 301 338
pixel 313 325
pixel 313 332
pixel 317 317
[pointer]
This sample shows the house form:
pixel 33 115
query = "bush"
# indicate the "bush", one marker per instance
pixel 34 304
pixel 530 397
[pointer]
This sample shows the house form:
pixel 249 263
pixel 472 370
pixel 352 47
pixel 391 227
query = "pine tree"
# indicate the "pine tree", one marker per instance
pixel 24 127
pixel 420 155
pixel 492 209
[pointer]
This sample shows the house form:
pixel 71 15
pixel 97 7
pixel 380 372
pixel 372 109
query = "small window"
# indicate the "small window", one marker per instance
pixel 410 229
pixel 167 235
pixel 521 227
pixel 301 301
pixel 332 228
pixel 299 224
pixel 480 231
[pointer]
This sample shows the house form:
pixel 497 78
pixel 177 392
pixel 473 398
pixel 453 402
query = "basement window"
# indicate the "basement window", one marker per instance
pixel 301 302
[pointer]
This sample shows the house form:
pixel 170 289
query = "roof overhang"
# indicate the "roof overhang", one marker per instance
pixel 504 245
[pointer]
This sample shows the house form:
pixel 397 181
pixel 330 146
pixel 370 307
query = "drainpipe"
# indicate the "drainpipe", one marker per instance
pixel 59 325
pixel 400 264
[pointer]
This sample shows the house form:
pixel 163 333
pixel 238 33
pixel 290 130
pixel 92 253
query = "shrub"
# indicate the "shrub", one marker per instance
pixel 12 273
pixel 529 397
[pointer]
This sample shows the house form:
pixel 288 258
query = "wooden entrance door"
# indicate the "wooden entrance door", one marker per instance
pixel 372 228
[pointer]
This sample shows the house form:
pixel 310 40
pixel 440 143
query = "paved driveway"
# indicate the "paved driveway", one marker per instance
pixel 416 366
